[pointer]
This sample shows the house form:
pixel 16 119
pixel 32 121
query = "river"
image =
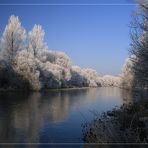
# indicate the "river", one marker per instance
pixel 53 116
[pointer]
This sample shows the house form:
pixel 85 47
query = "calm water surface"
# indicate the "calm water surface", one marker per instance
pixel 53 116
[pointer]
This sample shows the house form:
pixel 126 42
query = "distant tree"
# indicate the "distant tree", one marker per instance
pixel 13 39
pixel 91 76
pixel 110 81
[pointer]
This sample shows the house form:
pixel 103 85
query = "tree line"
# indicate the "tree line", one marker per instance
pixel 27 63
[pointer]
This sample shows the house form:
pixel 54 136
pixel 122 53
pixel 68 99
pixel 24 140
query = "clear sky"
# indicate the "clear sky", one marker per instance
pixel 95 36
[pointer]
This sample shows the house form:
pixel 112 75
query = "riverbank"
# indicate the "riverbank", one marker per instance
pixel 51 89
pixel 127 124
pixel 44 90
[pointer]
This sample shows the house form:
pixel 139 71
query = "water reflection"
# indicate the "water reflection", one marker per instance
pixel 24 115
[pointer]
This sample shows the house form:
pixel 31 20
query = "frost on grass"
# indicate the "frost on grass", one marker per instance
pixel 127 124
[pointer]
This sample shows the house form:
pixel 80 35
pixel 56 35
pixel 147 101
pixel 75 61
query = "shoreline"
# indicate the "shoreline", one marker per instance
pixel 56 89
pixel 45 90
pixel 126 124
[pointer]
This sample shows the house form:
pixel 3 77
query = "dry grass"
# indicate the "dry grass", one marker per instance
pixel 128 124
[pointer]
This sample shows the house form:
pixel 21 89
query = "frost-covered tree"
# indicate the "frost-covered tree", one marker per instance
pixel 139 44
pixel 56 66
pixel 78 78
pixel 25 66
pixel 62 59
pixel 110 81
pixel 127 77
pixel 48 55
pixel 86 77
pixel 50 75
pixel 36 43
pixel 91 76
pixel 12 42
pixel 12 39
pixel 28 64
pixel 56 57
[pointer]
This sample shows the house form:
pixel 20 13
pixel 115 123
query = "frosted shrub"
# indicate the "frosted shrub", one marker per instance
pixel 25 66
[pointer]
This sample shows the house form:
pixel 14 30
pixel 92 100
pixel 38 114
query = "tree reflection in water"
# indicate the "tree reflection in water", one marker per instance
pixel 23 115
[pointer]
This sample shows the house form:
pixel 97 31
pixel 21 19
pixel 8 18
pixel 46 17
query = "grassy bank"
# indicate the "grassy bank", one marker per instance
pixel 127 124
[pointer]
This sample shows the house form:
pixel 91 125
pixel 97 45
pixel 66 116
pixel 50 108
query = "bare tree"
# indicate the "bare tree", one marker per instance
pixel 139 45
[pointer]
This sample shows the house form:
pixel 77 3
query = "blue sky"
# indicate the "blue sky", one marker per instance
pixel 95 36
